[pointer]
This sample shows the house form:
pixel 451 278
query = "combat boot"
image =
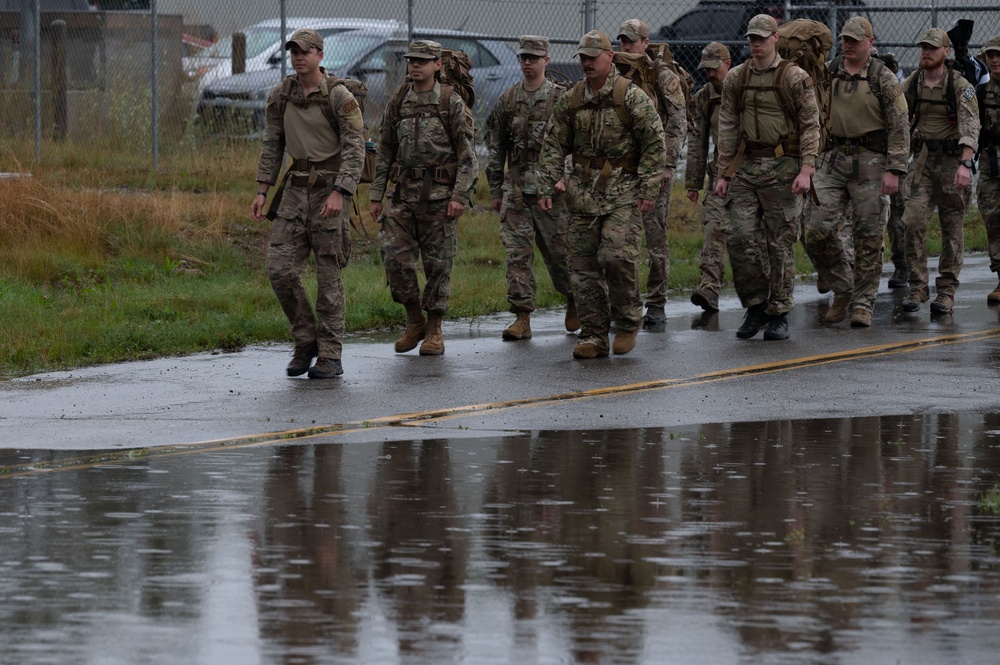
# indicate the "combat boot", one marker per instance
pixel 705 298
pixel 777 327
pixel 624 342
pixel 520 329
pixel 942 304
pixel 434 341
pixel 588 349
pixel 838 310
pixel 913 299
pixel 753 321
pixel 302 357
pixel 994 296
pixel 655 316
pixel 861 317
pixel 572 318
pixel 416 327
pixel 900 277
pixel 326 368
pixel 822 286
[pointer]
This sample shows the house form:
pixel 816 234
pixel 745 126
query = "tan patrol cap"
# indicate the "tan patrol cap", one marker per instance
pixel 857 28
pixel 305 39
pixel 935 37
pixel 533 45
pixel 593 43
pixel 762 25
pixel 992 44
pixel 633 29
pixel 713 55
pixel 424 49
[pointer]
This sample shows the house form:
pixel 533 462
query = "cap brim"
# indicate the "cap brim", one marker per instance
pixel 301 45
pixel 420 56
pixel 532 51
pixel 710 64
pixel 855 36
pixel 590 52
pixel 631 36
pixel 921 43
pixel 987 49
pixel 759 32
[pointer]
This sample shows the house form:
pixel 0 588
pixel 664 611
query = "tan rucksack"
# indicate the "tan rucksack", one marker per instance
pixel 456 71
pixel 662 56
pixel 637 68
pixel 807 43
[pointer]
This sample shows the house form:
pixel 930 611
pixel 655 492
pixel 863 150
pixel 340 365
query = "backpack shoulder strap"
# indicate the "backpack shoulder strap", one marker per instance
pixel 618 93
pixel 780 83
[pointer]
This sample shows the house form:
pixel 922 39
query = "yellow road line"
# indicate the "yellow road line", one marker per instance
pixel 434 415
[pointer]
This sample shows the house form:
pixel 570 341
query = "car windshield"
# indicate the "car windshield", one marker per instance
pixel 346 48
pixel 705 22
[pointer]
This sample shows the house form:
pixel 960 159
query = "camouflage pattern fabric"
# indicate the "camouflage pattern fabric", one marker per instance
pixel 705 124
pixel 895 229
pixel 654 224
pixel 988 192
pixel 714 252
pixel 432 238
pixel 519 231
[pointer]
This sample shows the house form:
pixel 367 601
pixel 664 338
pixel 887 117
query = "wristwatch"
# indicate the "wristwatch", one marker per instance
pixel 967 163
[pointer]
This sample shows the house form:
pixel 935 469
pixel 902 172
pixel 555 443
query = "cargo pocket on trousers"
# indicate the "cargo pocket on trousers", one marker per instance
pixel 334 243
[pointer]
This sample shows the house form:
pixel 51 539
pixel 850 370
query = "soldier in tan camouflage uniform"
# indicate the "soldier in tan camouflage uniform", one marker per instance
pixel 715 61
pixel 313 215
pixel 988 193
pixel 768 151
pixel 614 135
pixel 634 37
pixel 514 136
pixel 945 124
pixel 426 148
pixel 867 151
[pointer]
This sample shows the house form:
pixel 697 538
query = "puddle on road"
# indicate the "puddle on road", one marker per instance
pixel 869 540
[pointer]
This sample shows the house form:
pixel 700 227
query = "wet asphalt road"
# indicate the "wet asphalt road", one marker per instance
pixel 693 371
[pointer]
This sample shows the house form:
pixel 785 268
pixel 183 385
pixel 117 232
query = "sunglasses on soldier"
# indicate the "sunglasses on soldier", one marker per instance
pixel 527 57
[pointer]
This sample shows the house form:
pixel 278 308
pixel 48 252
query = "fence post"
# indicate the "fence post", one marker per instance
pixel 59 79
pixel 589 14
pixel 409 20
pixel 832 19
pixel 284 36
pixel 155 83
pixel 239 52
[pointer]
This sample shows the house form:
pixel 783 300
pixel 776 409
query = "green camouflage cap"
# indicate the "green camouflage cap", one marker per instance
pixel 424 49
pixel 762 25
pixel 857 28
pixel 593 43
pixel 935 37
pixel 533 45
pixel 713 55
pixel 633 29
pixel 305 39
pixel 992 44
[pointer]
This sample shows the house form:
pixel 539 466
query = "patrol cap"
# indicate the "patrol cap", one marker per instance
pixel 533 45
pixel 935 37
pixel 305 39
pixel 857 28
pixel 633 29
pixel 593 43
pixel 762 25
pixel 424 49
pixel 992 44
pixel 713 55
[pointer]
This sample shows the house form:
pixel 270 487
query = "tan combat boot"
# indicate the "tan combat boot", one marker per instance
pixel 624 342
pixel 572 318
pixel 994 296
pixel 434 341
pixel 520 329
pixel 415 329
pixel 838 310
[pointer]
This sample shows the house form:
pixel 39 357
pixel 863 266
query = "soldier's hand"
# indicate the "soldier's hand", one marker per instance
pixel 963 176
pixel 333 205
pixel 722 188
pixel 375 208
pixel 497 204
pixel 455 209
pixel 560 187
pixel 644 205
pixel 890 184
pixel 545 203
pixel 801 183
pixel 257 208
pixel 668 174
pixel 692 195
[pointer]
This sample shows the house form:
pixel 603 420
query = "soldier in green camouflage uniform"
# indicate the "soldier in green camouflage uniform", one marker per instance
pixel 313 215
pixel 514 134
pixel 988 193
pixel 867 151
pixel 945 123
pixel 715 61
pixel 671 106
pixel 614 135
pixel 769 157
pixel 426 148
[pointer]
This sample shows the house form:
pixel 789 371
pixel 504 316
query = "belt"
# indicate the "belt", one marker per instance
pixel 304 180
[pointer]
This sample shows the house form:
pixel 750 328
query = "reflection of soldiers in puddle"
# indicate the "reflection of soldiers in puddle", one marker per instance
pixel 307 591
pixel 419 565
pixel 574 515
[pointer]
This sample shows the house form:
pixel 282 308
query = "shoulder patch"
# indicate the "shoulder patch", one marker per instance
pixel 969 93
pixel 349 106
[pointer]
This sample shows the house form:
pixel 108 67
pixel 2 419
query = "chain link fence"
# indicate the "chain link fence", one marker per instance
pixel 138 74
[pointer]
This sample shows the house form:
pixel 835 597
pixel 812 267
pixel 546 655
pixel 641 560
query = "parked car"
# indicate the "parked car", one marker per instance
pixel 265 46
pixel 235 104
pixel 726 21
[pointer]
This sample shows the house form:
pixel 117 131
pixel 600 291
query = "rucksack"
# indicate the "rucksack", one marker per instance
pixel 456 71
pixel 638 69
pixel 360 92
pixel 807 43
pixel 913 99
pixel 662 56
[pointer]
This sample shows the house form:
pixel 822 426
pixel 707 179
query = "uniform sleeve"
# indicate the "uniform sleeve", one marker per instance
pixel 674 114
pixel 557 145
pixel 463 136
pixel 387 145
pixel 698 132
pixel 273 145
pixel 351 124
pixel 895 115
pixel 647 132
pixel 804 93
pixel 497 131
pixel 729 121
pixel 968 113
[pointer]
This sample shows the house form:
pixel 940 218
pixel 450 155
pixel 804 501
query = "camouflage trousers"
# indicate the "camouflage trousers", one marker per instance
pixel 764 219
pixel 841 191
pixel 713 248
pixel 988 198
pixel 603 258
pixel 519 231
pixel 654 224
pixel 405 237
pixel 895 229
pixel 935 186
pixel 292 240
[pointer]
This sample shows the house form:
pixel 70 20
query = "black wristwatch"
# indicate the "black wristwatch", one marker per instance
pixel 967 163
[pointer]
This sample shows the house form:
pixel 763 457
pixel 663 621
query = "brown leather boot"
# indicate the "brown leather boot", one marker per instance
pixel 520 329
pixel 572 318
pixel 433 341
pixel 624 342
pixel 415 329
pixel 838 310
